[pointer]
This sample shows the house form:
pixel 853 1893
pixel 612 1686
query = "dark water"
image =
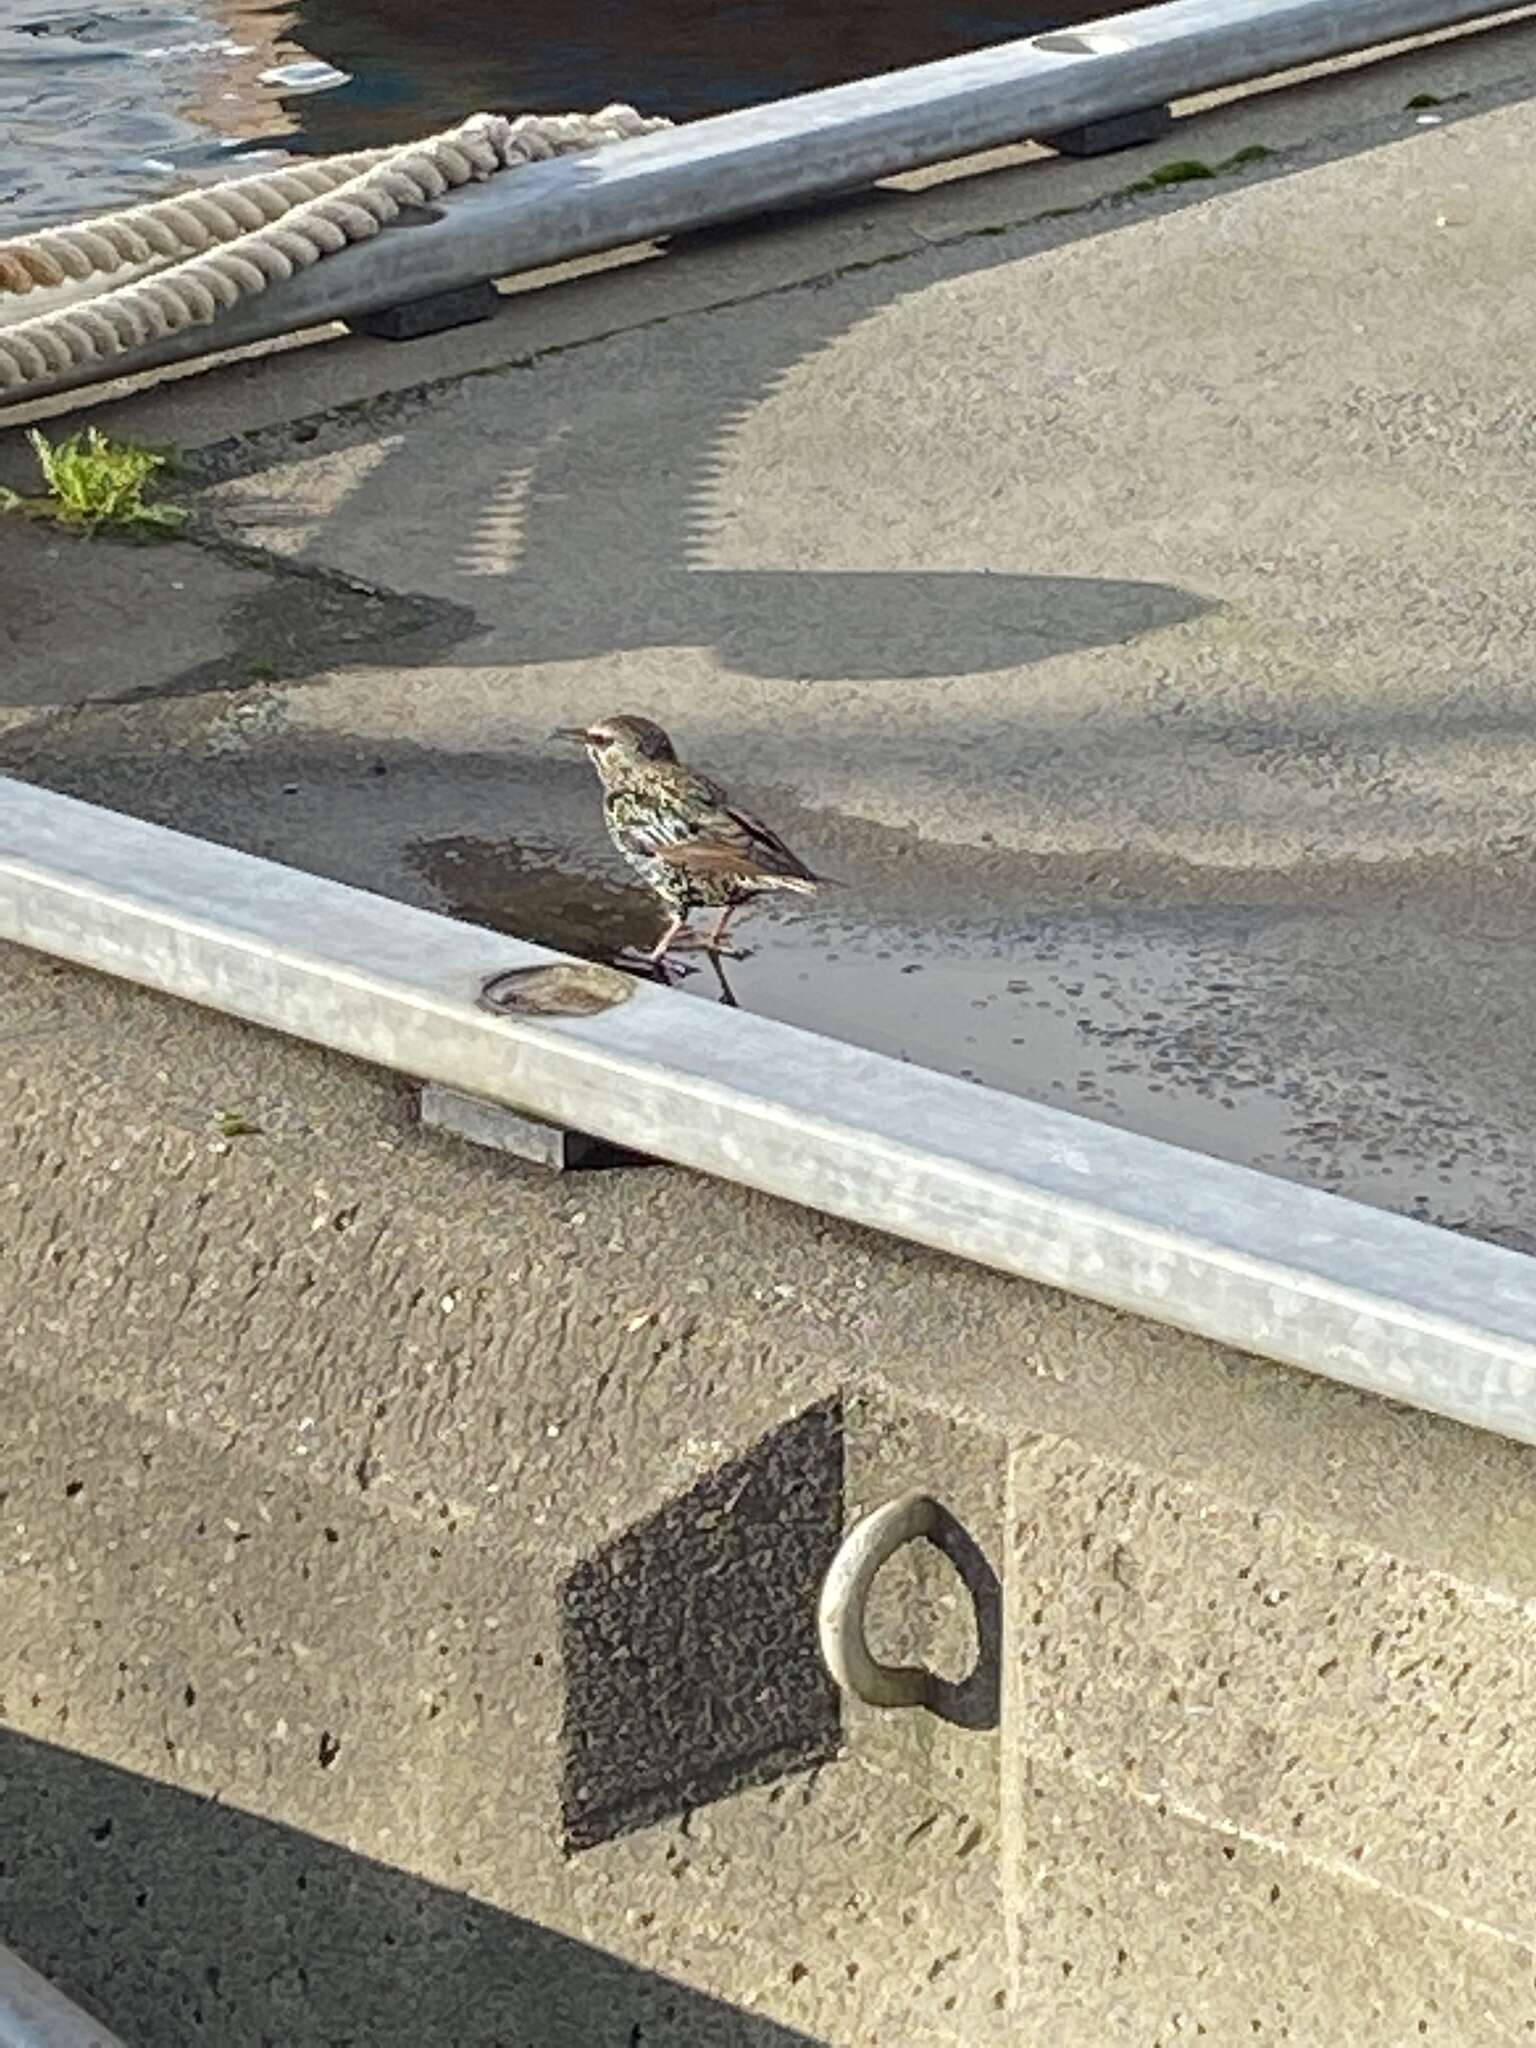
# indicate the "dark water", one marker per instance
pixel 101 106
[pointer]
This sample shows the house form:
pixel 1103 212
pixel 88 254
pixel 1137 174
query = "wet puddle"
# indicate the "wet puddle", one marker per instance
pixel 1140 1021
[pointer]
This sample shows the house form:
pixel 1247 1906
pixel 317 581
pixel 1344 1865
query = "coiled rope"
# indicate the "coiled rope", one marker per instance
pixel 228 242
pixel 171 228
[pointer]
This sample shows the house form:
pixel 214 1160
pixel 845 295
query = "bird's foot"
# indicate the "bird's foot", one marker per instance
pixel 655 967
pixel 685 941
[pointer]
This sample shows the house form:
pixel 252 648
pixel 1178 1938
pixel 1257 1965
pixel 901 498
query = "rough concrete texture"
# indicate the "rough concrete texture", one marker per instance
pixel 330 1567
pixel 311 1430
pixel 77 626
pixel 1134 1927
pixel 104 623
pixel 1141 595
pixel 1285 1722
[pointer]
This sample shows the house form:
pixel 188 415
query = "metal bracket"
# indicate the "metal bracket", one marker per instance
pixel 433 314
pixel 1117 131
pixel 500 1129
pixel 870 1544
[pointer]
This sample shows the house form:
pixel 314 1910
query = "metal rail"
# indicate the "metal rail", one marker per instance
pixel 797 150
pixel 1370 1299
pixel 33 2014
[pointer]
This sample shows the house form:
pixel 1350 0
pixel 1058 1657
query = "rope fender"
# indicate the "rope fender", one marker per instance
pixel 252 232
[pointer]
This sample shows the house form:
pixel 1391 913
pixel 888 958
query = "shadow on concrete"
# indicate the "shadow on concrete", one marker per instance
pixel 568 540
pixel 181 1922
pixel 974 1701
pixel 431 826
pixel 864 626
pixel 689 1643
pixel 579 521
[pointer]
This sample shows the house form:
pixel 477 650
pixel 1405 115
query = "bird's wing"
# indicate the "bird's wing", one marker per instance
pixel 645 829
pixel 699 832
pixel 727 841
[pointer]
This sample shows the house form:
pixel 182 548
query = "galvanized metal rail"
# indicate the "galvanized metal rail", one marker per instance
pixel 797 150
pixel 1373 1300
pixel 34 2014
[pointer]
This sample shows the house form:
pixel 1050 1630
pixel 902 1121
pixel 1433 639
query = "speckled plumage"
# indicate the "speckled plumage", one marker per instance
pixel 679 830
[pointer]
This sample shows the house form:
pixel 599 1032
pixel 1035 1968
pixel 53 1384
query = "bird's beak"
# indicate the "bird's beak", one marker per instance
pixel 576 733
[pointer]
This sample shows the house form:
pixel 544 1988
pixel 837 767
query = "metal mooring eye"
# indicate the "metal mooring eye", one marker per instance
pixel 869 1544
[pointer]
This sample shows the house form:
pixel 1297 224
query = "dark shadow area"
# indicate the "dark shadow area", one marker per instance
pixel 429 826
pixel 884 625
pixel 585 508
pixel 865 626
pixel 974 1701
pixel 812 625
pixel 185 1923
pixel 689 1643
pixel 591 500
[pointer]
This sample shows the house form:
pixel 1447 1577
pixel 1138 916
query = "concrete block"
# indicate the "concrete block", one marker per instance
pixel 467 1552
pixel 1278 1682
pixel 397 1703
pixel 507 1130
pixel 1119 131
pixel 433 314
pixel 927 1608
pixel 1133 1928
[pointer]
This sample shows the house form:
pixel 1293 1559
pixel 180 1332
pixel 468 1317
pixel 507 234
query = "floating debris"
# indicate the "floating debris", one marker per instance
pixel 307 75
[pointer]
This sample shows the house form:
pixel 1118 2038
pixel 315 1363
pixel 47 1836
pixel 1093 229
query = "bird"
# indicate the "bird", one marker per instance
pixel 681 833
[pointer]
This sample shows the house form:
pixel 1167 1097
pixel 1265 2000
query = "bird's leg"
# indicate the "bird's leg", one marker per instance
pixel 727 993
pixel 677 938
pixel 716 940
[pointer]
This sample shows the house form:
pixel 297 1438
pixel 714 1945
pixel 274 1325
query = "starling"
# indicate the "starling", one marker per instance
pixel 680 832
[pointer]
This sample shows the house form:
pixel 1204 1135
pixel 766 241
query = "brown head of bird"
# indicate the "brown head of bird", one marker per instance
pixel 617 746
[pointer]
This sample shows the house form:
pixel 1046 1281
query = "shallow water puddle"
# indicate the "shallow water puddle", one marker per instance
pixel 1157 1022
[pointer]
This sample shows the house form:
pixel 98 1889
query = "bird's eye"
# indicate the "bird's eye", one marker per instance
pixel 599 739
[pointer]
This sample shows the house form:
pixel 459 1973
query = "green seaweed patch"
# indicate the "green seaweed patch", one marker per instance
pixel 1190 170
pixel 1184 172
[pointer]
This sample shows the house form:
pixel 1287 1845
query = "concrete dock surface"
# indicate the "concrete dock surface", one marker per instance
pixel 1128 605
pixel 1129 596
